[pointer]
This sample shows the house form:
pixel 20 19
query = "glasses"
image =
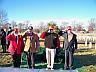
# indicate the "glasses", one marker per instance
pixel 50 29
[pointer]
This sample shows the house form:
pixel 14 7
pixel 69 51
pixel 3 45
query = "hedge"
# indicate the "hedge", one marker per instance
pixel 41 55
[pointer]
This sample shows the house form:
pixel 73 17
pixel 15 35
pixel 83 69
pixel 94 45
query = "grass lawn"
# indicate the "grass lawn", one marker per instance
pixel 84 61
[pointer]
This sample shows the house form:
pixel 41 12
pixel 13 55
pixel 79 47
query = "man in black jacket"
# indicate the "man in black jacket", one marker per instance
pixel 3 40
pixel 70 44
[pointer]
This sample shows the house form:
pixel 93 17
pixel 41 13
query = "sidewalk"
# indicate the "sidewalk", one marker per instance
pixel 10 69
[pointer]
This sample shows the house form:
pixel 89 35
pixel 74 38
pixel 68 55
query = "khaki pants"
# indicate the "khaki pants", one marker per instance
pixel 50 55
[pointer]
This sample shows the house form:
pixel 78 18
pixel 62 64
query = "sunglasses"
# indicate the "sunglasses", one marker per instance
pixel 50 29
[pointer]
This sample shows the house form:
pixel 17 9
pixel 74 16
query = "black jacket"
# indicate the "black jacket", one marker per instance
pixel 51 40
pixel 3 38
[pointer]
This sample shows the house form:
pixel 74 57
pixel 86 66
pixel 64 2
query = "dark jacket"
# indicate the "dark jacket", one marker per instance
pixel 31 43
pixel 51 40
pixel 3 38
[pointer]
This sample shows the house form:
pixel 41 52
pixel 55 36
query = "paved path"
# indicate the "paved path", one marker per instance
pixel 10 69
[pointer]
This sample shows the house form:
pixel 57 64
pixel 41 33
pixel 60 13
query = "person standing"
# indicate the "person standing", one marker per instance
pixel 31 46
pixel 70 45
pixel 16 46
pixel 3 40
pixel 51 43
pixel 9 31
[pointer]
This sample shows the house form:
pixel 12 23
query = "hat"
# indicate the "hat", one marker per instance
pixel 69 27
pixel 30 27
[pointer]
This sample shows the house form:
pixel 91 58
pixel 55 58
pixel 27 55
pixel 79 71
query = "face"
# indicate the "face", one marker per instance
pixel 16 30
pixel 51 29
pixel 30 30
pixel 68 31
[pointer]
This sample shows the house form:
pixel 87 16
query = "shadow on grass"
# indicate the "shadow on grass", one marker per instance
pixel 84 60
pixel 79 61
pixel 6 65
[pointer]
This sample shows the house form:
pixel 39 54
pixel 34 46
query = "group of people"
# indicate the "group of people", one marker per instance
pixel 31 44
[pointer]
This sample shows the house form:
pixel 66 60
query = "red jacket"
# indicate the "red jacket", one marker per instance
pixel 15 47
pixel 43 35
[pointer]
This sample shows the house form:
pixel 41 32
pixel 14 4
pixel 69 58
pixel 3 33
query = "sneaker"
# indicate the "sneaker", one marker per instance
pixel 29 67
pixel 52 69
pixel 47 68
pixel 66 68
pixel 70 68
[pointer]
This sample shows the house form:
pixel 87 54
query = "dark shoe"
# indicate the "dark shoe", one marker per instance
pixel 30 67
pixel 65 68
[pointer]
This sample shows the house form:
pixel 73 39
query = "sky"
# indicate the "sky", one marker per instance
pixel 48 9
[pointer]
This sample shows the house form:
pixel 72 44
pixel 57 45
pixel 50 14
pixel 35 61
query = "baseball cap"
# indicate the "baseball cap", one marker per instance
pixel 30 28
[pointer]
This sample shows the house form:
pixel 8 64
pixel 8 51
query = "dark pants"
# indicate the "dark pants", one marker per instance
pixel 4 48
pixel 68 59
pixel 16 60
pixel 30 59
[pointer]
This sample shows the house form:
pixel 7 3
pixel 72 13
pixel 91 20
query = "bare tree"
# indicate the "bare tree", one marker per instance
pixel 13 23
pixel 92 24
pixel 3 16
pixel 79 28
pixel 42 27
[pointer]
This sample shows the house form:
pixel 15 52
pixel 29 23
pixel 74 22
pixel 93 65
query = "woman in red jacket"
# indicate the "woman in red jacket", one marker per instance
pixel 16 46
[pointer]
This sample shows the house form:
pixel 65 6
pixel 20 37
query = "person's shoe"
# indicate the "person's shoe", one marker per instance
pixel 47 68
pixel 52 69
pixel 65 68
pixel 70 68
pixel 30 67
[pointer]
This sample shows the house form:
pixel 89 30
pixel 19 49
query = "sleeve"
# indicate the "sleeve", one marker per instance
pixel 60 33
pixel 43 35
pixel 9 37
pixel 3 35
pixel 25 33
pixel 37 41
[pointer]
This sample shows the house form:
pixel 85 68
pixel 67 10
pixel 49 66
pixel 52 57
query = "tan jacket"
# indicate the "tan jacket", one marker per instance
pixel 33 45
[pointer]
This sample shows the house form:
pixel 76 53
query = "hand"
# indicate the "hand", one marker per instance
pixel 58 47
pixel 25 32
